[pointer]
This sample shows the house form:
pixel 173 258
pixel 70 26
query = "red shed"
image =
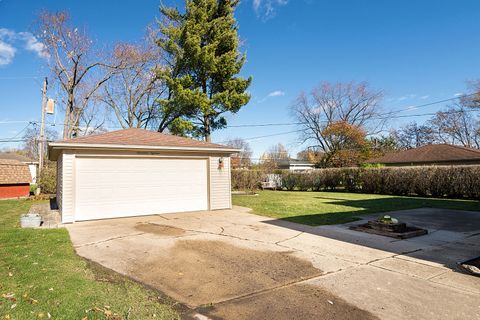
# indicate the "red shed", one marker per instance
pixel 15 179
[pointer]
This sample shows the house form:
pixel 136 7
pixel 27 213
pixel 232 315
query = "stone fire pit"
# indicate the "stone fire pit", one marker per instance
pixel 390 227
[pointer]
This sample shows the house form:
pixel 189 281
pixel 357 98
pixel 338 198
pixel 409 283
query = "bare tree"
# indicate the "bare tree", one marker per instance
pixel 350 104
pixel 413 136
pixel 134 90
pixel 30 137
pixel 275 154
pixel 457 124
pixel 243 159
pixel 74 63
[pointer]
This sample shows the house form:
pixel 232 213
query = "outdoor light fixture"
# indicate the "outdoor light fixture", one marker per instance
pixel 220 163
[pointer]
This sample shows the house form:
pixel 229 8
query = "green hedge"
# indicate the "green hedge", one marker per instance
pixel 428 181
pixel 248 180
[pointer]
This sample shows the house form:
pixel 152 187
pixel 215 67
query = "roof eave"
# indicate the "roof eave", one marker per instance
pixel 55 147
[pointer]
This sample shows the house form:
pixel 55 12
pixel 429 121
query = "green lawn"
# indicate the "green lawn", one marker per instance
pixel 41 276
pixel 318 208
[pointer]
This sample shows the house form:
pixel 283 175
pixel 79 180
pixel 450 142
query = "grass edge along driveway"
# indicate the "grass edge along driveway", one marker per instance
pixel 41 277
pixel 321 208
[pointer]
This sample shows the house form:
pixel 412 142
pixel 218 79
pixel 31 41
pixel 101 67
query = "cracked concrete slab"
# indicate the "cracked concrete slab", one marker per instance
pixel 392 295
pixel 411 268
pixel 239 263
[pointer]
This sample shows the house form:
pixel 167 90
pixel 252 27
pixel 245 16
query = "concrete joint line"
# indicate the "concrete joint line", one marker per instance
pixel 227 236
pixel 440 274
pixel 461 289
pixel 284 285
pixel 109 239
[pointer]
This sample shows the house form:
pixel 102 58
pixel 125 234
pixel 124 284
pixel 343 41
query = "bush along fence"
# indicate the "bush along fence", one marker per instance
pixel 428 181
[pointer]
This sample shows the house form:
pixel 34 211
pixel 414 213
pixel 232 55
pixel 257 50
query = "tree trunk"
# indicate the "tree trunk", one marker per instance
pixel 206 124
pixel 68 116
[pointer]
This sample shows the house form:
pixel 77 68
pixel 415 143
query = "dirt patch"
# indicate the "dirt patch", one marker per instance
pixel 204 272
pixel 159 229
pixel 293 302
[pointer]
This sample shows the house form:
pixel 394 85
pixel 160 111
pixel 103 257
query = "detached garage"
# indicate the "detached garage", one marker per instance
pixel 136 172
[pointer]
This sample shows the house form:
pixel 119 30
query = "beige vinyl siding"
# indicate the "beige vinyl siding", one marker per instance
pixel 68 190
pixel 220 190
pixel 59 181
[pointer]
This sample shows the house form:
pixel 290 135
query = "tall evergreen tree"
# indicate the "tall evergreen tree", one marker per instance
pixel 202 49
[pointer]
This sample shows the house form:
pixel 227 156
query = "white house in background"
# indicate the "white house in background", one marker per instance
pixel 32 164
pixel 295 165
pixel 136 172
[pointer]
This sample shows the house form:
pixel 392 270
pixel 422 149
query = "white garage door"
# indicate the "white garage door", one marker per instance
pixel 122 187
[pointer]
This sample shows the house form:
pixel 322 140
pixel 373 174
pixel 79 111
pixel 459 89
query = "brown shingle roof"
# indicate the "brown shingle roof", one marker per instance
pixel 14 172
pixel 431 153
pixel 15 156
pixel 142 137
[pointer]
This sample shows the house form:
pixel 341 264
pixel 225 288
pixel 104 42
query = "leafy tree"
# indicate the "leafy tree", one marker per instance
pixel 201 46
pixel 348 145
pixel 311 154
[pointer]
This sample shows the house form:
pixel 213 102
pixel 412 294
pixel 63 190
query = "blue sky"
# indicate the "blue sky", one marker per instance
pixel 416 51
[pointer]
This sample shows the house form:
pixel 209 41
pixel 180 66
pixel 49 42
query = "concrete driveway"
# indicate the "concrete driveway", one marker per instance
pixel 231 264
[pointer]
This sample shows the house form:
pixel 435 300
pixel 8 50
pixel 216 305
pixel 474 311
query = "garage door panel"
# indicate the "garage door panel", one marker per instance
pixel 120 187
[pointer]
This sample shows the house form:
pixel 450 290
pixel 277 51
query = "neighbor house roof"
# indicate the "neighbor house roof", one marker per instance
pixel 15 156
pixel 430 154
pixel 14 172
pixel 134 138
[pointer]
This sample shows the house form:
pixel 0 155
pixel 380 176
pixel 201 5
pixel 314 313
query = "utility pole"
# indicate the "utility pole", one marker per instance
pixel 41 142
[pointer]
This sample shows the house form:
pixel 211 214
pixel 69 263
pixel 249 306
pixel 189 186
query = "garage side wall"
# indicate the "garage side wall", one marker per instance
pixel 59 181
pixel 68 187
pixel 220 189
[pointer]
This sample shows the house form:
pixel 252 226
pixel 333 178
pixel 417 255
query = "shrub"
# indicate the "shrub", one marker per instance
pixel 33 188
pixel 47 181
pixel 248 180
pixel 436 181
pixel 289 181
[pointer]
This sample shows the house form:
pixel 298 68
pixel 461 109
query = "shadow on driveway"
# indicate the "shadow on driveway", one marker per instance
pixel 454 235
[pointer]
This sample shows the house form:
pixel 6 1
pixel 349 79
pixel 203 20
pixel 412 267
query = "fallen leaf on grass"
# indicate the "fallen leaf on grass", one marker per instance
pixel 10 274
pixel 9 296
pixel 13 306
pixel 33 301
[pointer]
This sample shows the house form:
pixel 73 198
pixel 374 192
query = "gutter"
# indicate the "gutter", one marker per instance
pixel 86 146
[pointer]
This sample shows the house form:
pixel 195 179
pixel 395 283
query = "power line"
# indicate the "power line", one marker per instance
pixel 434 102
pixel 268 135
pixel 382 116
pixel 19 78
pixel 14 138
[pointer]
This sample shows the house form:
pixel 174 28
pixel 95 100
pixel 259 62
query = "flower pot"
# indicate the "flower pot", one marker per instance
pixel 30 220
